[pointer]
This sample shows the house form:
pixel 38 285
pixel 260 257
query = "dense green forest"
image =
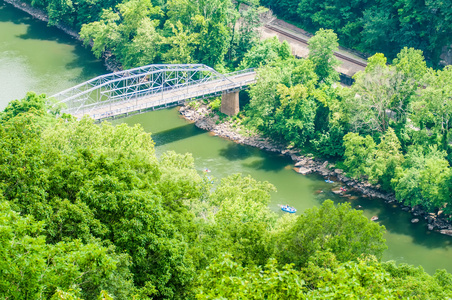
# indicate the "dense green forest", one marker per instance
pixel 89 211
pixel 376 26
pixel 213 31
pixel 391 127
pixel 141 32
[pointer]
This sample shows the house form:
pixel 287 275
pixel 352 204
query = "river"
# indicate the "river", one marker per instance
pixel 36 58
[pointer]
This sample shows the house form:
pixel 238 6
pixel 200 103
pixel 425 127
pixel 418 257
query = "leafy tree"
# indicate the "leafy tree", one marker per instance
pixel 182 44
pixel 263 94
pixel 265 52
pixel 294 115
pixel 378 26
pixel 30 268
pixel 411 62
pixel 433 109
pixel 235 218
pixel 213 42
pixel 247 35
pixel 424 179
pixel 145 45
pixel 343 231
pixel 386 158
pixel 330 143
pixel 358 153
pixel 127 33
pixel 321 52
pixel 304 73
pixel 379 96
pixel 31 101
pixel 225 278
pixel 324 278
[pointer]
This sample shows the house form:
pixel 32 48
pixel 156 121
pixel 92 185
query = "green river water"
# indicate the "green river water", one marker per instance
pixel 34 57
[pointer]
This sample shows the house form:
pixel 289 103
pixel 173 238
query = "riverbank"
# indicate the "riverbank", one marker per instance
pixel 109 62
pixel 205 119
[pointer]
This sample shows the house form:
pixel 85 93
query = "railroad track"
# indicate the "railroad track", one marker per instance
pixel 304 41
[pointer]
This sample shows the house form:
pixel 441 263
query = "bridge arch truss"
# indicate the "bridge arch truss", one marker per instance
pixel 104 93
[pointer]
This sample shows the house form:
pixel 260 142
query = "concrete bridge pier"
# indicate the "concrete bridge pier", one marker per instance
pixel 230 103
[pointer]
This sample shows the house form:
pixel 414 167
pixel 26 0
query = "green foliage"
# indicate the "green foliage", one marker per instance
pixel 380 96
pixel 88 211
pixel 266 52
pixel 215 104
pixel 321 52
pixel 30 268
pixel 205 31
pixel 343 231
pixel 358 152
pixel 411 63
pixel 30 102
pixel 385 160
pixel 433 109
pixel 280 108
pixel 424 179
pixel 375 26
pixel 235 218
pixel 324 278
pixel 226 279
pixel 330 143
pixel 129 33
pixel 294 115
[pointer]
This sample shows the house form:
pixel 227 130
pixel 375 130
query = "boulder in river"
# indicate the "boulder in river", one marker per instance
pixel 304 171
pixel 415 220
pixel 300 163
pixel 338 171
pixel 446 231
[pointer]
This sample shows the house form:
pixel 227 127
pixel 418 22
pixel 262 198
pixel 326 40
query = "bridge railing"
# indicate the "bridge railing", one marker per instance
pixel 178 99
pixel 133 95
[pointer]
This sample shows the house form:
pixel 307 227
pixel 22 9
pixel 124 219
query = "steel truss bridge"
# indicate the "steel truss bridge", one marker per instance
pixel 148 88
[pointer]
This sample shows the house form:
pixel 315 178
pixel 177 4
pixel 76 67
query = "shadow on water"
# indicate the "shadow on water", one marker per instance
pixel 176 134
pixel 235 151
pixel 9 14
pixel 390 215
pixel 87 62
pixel 84 60
pixel 267 162
pixel 271 163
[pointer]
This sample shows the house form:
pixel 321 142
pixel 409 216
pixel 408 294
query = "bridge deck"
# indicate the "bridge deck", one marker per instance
pixel 176 95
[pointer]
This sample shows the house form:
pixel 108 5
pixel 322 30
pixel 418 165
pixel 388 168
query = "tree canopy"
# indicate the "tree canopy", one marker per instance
pixel 88 210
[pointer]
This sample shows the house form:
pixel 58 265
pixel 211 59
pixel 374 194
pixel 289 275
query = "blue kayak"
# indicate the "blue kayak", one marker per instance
pixel 288 209
pixel 329 181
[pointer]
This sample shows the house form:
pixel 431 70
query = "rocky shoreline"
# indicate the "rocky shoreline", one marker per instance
pixel 204 119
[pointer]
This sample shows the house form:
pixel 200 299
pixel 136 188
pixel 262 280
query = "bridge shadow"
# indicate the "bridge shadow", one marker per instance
pixel 176 134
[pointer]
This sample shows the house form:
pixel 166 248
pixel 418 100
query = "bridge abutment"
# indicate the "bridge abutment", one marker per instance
pixel 230 103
